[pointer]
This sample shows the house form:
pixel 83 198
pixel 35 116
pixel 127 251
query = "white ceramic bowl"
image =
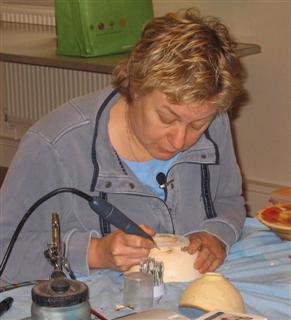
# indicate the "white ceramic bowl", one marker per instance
pixel 212 291
pixel 178 263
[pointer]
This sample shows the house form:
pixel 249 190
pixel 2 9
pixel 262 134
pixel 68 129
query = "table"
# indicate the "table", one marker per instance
pixel 259 265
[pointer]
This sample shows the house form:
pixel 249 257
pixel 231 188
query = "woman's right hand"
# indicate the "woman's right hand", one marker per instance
pixel 119 251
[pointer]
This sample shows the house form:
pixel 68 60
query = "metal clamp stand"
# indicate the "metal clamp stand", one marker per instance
pixel 55 254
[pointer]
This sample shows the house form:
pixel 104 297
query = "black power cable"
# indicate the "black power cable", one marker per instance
pixel 28 214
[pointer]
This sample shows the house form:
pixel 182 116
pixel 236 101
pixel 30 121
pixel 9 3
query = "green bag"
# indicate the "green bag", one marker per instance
pixel 89 28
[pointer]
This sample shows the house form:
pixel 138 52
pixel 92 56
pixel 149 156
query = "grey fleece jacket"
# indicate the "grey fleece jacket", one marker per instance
pixel 57 152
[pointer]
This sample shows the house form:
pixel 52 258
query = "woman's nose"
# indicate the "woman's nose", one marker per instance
pixel 177 137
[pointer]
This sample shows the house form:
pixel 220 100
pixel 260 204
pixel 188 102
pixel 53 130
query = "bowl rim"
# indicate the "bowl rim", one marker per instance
pixel 275 226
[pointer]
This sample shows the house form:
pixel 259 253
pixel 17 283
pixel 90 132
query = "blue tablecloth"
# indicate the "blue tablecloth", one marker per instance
pixel 259 265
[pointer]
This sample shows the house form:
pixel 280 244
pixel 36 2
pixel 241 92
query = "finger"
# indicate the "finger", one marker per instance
pixel 204 266
pixel 138 242
pixel 217 263
pixel 131 251
pixel 201 258
pixel 125 257
pixel 131 240
pixel 205 260
pixel 148 230
pixel 125 263
pixel 122 244
pixel 194 245
pixel 211 263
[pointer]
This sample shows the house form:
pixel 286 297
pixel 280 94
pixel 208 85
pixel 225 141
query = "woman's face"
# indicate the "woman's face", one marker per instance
pixel 163 129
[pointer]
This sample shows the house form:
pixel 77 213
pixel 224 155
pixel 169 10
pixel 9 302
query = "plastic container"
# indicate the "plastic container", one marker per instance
pixel 138 291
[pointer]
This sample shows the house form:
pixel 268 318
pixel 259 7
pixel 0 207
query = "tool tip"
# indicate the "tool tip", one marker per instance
pixel 155 245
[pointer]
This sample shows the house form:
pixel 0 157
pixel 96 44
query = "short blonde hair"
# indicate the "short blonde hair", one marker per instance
pixel 185 56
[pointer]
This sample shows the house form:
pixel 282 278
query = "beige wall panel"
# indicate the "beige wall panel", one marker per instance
pixel 263 125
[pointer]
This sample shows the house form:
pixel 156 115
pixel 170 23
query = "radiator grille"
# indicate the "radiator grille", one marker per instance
pixel 30 92
pixel 32 14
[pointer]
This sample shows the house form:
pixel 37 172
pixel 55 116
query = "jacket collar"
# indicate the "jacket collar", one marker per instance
pixel 204 151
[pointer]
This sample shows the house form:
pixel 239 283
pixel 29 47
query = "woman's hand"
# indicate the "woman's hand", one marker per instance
pixel 211 251
pixel 119 251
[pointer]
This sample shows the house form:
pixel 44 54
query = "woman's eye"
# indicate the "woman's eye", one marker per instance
pixel 166 119
pixel 198 126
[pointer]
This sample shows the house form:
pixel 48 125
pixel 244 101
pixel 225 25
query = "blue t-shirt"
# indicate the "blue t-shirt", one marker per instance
pixel 147 171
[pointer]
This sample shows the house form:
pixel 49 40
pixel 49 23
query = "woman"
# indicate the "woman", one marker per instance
pixel 157 145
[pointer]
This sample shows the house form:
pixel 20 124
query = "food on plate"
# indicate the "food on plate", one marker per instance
pixel 278 214
pixel 277 218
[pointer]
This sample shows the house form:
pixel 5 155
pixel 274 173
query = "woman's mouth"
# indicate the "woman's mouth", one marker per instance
pixel 169 152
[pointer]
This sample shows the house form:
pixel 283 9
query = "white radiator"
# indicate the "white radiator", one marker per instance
pixel 29 92
pixel 32 91
pixel 33 14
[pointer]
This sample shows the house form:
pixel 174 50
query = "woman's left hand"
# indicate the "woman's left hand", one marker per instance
pixel 211 251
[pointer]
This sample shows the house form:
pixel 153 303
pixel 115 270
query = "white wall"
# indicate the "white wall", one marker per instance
pixel 262 128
